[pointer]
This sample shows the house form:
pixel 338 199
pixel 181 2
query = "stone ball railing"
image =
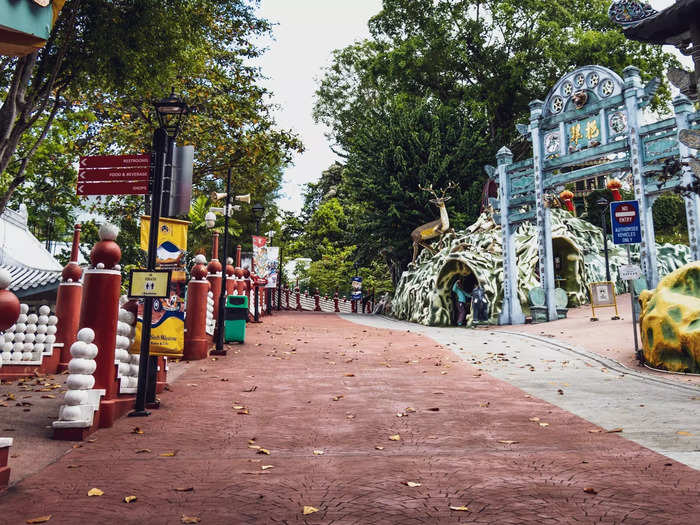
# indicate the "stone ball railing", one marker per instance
pixel 30 338
pixel 127 364
pixel 211 322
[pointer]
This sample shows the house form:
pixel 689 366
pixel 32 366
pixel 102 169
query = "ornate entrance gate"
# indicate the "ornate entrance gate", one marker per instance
pixel 589 125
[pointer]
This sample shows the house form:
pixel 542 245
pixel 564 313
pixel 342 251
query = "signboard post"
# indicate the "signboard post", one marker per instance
pixel 624 218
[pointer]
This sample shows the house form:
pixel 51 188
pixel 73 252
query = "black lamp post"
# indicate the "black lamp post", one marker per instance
pixel 603 203
pixel 258 211
pixel 219 350
pixel 170 112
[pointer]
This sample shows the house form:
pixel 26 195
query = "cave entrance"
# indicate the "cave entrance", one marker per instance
pixel 567 265
pixel 456 271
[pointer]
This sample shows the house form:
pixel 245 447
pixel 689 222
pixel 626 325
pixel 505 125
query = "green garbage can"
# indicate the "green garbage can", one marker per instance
pixel 236 315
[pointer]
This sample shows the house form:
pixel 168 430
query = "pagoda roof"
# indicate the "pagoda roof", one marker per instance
pixel 669 26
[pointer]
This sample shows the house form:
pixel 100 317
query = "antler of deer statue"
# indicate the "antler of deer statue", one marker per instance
pixel 432 229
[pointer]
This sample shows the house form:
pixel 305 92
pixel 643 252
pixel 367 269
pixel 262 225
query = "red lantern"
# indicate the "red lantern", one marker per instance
pixel 567 196
pixel 614 186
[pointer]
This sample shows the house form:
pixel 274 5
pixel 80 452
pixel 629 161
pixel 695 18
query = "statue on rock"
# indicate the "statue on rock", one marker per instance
pixel 432 229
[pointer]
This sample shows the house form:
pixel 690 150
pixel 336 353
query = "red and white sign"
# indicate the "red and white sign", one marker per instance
pixel 625 214
pixel 113 188
pixel 116 161
pixel 112 174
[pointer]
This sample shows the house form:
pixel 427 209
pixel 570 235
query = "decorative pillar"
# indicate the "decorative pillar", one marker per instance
pixel 68 299
pixel 9 304
pixel 214 277
pixel 317 301
pixel 544 222
pixel 230 277
pixel 100 312
pixel 286 297
pixel 511 310
pixel 647 249
pixel 196 340
pixel 336 308
pixel 682 107
pixel 76 418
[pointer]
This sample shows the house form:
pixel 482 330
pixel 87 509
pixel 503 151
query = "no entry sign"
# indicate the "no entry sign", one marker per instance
pixel 624 217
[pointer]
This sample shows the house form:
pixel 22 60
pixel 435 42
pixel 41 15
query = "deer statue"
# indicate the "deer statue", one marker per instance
pixel 432 229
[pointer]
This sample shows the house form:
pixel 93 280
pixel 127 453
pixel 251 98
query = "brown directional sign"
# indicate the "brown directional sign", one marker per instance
pixel 113 174
pixel 113 188
pixel 115 161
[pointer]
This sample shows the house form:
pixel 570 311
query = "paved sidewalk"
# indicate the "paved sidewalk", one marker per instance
pixel 316 382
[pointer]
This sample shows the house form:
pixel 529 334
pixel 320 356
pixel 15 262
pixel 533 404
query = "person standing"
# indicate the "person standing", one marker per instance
pixel 462 297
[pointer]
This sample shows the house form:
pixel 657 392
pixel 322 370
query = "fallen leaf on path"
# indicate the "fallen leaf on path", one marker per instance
pixel 350 416
pixel 462 507
pixel 243 412
pixel 508 441
pixel 238 407
pixel 349 375
pixel 168 454
pixel 265 467
pixel 183 489
pixel 590 490
pixel 40 519
pixel 544 424
pixel 95 492
pixel 378 447
pixel 189 519
pixel 614 430
pixel 434 409
pixel 409 409
pixel 48 396
pixel 136 430
pixel 560 392
pixel 74 466
pixel 308 509
pixel 595 430
pixel 412 484
pixel 534 419
pixel 683 433
pixel 395 437
pixel 129 499
pixel 256 447
pixel 143 451
pixel 336 398
pixel 318 452
pixel 264 451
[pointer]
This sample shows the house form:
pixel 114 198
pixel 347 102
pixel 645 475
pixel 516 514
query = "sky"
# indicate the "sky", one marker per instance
pixel 307 33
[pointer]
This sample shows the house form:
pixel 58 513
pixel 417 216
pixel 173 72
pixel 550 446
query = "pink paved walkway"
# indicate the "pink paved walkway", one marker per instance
pixel 316 382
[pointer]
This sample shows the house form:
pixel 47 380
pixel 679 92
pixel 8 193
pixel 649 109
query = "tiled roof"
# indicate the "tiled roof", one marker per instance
pixel 31 280
pixel 668 25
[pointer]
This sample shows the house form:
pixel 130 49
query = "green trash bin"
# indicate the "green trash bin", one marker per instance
pixel 236 315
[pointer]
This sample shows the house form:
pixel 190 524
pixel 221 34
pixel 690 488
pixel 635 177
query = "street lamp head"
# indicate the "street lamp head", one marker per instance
pixel 210 219
pixel 258 210
pixel 171 111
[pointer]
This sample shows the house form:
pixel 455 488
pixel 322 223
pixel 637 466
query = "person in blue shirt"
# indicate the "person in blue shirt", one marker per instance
pixel 462 298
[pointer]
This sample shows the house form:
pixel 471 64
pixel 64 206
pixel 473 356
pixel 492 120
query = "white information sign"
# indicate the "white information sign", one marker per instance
pixel 630 272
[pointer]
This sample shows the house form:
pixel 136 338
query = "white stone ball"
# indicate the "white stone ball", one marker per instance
pixel 80 382
pixel 27 356
pixel 36 355
pixel 44 310
pixel 71 413
pixel 41 329
pixel 86 335
pixel 9 337
pixel 6 347
pixel 128 318
pixel 53 320
pixel 79 349
pixel 6 356
pixel 43 319
pixel 123 342
pixel 118 267
pixel 39 338
pixel 200 259
pixel 134 370
pixel 12 329
pixel 29 337
pixel 135 358
pixel 31 328
pixel 18 347
pixel 123 329
pixel 22 318
pixel 23 308
pixel 16 357
pixel 91 351
pixel 100 266
pixel 20 327
pixel 50 339
pixel 20 337
pixel 76 397
pixel 108 232
pixel 81 366
pixel 51 330
pixel 120 354
pixel 124 369
pixel 32 318
pixel 28 347
pixel 5 279
pixel 39 347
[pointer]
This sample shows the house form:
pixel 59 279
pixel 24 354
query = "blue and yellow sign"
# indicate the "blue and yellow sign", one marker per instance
pixel 583 134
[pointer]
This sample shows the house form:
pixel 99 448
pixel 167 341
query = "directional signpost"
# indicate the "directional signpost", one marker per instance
pixel 114 175
pixel 626 229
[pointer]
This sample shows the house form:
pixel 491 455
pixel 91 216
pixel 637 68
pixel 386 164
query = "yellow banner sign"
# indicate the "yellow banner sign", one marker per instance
pixel 172 240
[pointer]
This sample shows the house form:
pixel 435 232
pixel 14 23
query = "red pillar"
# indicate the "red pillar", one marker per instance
pixel 68 300
pixel 317 301
pixel 214 276
pixel 100 311
pixel 196 338
pixel 286 297
pixel 298 294
pixel 335 301
pixel 230 277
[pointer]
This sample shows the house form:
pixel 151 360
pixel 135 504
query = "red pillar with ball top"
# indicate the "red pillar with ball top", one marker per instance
pixel 196 339
pixel 70 295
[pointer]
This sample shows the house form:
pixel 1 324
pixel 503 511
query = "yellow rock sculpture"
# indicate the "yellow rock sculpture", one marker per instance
pixel 670 321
